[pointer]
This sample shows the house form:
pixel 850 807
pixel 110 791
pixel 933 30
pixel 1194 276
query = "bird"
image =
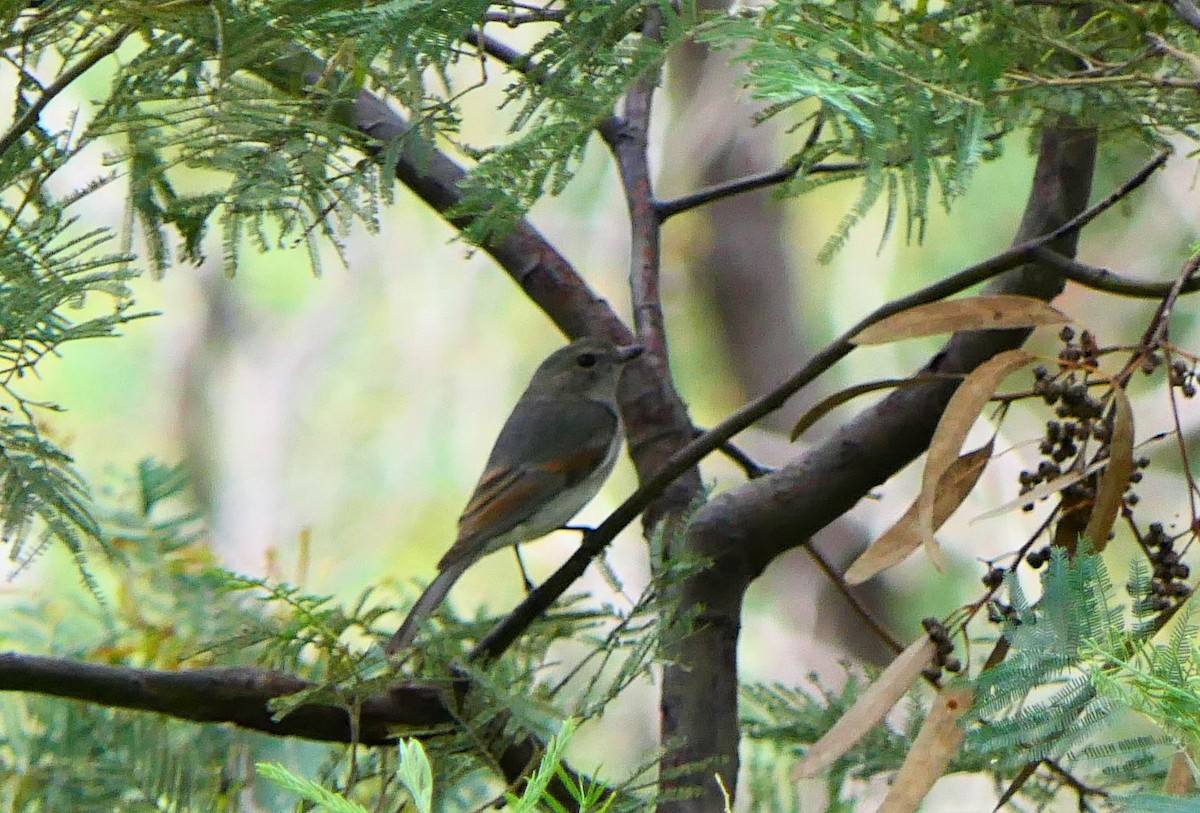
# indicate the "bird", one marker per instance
pixel 551 457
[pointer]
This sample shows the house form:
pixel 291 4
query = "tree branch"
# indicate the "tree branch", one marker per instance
pixel 238 695
pixel 1102 279
pixel 750 183
pixel 545 276
pixel 537 602
pixel 628 139
pixel 29 118
pixel 1187 11
pixel 533 15
pixel 843 588
pixel 507 55
pixel 742 530
pixel 749 466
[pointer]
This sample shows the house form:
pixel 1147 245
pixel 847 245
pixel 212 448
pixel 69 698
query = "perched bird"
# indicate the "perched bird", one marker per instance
pixel 554 452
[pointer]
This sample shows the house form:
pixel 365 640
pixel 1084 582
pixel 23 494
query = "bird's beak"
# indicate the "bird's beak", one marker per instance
pixel 630 352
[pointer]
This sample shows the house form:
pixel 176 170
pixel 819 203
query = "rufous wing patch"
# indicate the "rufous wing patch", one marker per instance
pixel 503 500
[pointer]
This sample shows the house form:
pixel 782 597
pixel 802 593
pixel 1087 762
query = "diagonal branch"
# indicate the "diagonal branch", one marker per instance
pixel 543 273
pixel 29 118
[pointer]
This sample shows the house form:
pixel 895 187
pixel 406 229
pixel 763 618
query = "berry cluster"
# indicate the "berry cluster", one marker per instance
pixel 1080 419
pixel 993 578
pixel 1080 415
pixel 940 635
pixel 1078 436
pixel 1069 385
pixel 1037 558
pixel 1167 587
pixel 1182 376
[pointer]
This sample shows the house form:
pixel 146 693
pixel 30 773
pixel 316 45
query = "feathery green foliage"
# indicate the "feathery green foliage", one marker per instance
pixel 1158 803
pixel 164 607
pixel 1076 661
pixel 233 123
pixel 308 790
pixel 416 774
pixel 238 120
pixel 916 99
pixel 60 282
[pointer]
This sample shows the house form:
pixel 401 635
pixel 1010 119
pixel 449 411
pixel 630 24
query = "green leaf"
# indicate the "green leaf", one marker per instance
pixel 415 773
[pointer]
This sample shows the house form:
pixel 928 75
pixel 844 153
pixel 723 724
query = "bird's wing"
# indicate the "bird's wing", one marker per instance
pixel 526 469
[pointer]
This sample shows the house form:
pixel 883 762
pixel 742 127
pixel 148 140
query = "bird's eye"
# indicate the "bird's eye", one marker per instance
pixel 586 360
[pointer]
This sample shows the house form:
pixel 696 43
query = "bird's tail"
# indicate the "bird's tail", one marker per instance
pixel 433 596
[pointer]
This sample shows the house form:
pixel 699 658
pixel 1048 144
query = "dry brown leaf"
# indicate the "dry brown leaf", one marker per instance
pixel 936 744
pixel 1115 478
pixel 827 405
pixel 1043 490
pixel 968 401
pixel 902 538
pixel 974 313
pixel 870 709
pixel 1057 484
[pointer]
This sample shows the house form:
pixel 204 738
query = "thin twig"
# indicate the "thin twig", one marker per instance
pixel 1102 279
pixel 839 584
pixel 1159 46
pixel 751 468
pixel 1156 333
pixel 537 602
pixel 762 180
pixel 29 117
pixel 667 208
pixel 513 19
pixel 1081 788
pixel 1159 328
pixel 529 67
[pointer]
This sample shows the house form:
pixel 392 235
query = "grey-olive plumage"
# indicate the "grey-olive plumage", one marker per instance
pixel 554 452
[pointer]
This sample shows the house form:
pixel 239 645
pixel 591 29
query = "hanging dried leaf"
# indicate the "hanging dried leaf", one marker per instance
pixel 1115 478
pixel 936 744
pixel 827 405
pixel 1057 484
pixel 902 538
pixel 1042 490
pixel 956 422
pixel 870 709
pixel 974 313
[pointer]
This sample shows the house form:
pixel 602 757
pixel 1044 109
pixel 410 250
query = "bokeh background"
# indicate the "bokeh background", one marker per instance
pixel 334 425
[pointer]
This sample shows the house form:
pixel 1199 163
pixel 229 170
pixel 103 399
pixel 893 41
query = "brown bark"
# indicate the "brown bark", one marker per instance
pixel 742 530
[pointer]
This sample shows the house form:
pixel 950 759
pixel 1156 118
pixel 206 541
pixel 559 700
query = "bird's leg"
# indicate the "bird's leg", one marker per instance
pixel 524 575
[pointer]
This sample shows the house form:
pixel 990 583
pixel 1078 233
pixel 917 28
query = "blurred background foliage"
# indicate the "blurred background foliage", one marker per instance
pixel 331 426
